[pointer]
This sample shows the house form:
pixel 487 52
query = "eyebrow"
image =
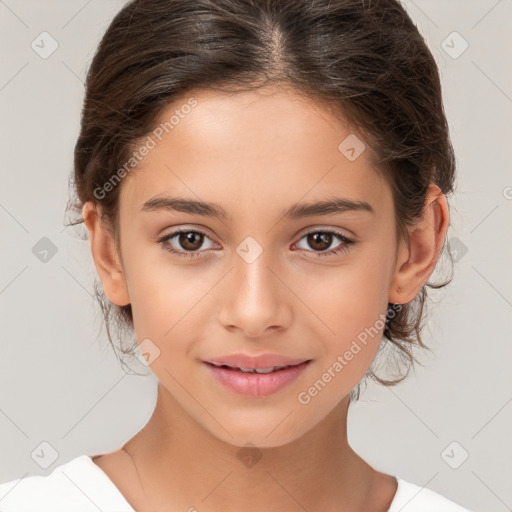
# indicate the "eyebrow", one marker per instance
pixel 297 211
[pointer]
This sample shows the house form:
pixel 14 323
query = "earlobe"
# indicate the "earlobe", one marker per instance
pixel 416 260
pixel 106 258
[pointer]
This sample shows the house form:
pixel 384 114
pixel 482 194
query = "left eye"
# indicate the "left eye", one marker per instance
pixel 192 240
pixel 324 239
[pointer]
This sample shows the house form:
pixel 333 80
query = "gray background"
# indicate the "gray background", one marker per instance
pixel 61 383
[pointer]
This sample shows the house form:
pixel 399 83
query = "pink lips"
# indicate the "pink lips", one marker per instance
pixel 266 360
pixel 255 384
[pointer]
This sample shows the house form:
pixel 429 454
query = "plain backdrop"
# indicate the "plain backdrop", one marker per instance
pixel 446 427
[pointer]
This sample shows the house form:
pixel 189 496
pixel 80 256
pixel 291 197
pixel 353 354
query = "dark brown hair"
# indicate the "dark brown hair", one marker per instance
pixel 363 59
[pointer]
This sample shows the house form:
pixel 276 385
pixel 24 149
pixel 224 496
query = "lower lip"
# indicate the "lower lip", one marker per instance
pixel 256 384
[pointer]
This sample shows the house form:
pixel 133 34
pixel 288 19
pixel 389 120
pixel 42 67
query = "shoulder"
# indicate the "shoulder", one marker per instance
pixel 410 497
pixel 77 485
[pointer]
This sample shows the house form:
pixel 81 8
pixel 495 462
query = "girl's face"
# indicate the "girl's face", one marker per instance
pixel 258 280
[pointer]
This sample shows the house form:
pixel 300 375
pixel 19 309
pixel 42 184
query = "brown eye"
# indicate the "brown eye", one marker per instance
pixel 320 240
pixel 190 240
pixel 185 243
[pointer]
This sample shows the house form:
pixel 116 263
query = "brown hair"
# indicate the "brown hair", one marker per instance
pixel 362 58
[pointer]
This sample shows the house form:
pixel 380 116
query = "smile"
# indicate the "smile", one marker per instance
pixel 253 370
pixel 256 382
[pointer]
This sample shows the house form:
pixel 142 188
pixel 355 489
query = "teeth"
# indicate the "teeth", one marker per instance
pixel 262 370
pixel 253 370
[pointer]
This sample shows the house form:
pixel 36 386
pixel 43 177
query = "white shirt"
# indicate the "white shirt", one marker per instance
pixel 81 486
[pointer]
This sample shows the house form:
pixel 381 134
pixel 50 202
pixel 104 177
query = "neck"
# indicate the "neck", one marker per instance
pixel 181 463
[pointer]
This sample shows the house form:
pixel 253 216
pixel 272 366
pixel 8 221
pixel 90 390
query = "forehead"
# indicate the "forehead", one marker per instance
pixel 251 151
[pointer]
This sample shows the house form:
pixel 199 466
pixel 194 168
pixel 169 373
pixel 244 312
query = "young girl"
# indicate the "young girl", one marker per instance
pixel 263 183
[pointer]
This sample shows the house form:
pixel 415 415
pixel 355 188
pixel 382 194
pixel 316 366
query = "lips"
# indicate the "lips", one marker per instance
pixel 256 383
pixel 252 370
pixel 267 362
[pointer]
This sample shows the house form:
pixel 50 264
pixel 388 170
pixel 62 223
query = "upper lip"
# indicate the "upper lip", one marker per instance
pixel 267 360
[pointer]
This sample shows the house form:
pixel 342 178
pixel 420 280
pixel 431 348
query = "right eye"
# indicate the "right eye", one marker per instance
pixel 191 240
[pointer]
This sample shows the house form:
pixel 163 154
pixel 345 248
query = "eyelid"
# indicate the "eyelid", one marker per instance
pixel 334 229
pixel 346 241
pixel 300 234
pixel 175 232
pixel 180 228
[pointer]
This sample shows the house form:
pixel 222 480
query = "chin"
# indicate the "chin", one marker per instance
pixel 259 433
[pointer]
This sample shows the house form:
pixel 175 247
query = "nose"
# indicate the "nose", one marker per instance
pixel 254 297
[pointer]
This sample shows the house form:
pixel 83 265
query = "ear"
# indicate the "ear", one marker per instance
pixel 417 259
pixel 105 255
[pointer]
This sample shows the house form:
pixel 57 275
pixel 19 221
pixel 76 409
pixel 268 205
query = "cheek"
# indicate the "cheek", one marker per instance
pixel 160 293
pixel 169 302
pixel 161 302
pixel 347 298
pixel 352 307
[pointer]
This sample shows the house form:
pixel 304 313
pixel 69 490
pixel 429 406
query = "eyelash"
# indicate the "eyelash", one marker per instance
pixel 347 242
